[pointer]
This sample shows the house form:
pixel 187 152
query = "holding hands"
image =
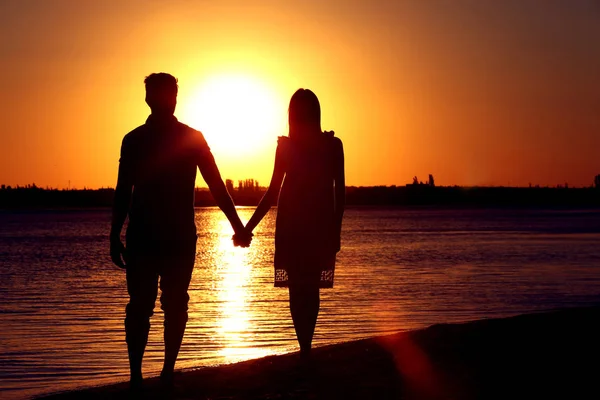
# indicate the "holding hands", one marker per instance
pixel 242 238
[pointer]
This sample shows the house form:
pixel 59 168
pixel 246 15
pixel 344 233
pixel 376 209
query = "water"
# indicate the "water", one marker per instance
pixel 62 301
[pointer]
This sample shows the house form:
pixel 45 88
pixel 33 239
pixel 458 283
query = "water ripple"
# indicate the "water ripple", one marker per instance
pixel 62 308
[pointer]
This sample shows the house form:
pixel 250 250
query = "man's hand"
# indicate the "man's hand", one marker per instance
pixel 117 252
pixel 242 239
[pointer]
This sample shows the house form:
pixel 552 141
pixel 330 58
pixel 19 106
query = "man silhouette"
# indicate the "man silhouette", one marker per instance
pixel 155 186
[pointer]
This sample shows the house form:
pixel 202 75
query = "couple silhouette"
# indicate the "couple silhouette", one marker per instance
pixel 155 189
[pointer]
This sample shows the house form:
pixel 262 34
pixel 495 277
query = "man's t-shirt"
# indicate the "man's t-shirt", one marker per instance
pixel 160 158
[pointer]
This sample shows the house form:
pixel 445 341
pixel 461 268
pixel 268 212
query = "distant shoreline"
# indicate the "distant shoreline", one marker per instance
pixel 32 197
pixel 542 355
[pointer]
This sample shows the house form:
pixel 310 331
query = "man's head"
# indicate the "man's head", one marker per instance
pixel 161 93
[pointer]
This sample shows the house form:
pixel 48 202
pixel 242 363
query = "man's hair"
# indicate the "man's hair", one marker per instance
pixel 161 82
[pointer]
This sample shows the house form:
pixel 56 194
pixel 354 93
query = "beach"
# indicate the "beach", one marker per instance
pixel 542 355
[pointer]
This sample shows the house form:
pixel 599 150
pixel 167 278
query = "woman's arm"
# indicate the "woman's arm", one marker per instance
pixel 270 197
pixel 339 181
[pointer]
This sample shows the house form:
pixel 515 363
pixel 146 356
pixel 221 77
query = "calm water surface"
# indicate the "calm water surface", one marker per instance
pixel 62 302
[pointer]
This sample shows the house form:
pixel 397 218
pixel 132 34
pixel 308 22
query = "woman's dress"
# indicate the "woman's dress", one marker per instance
pixel 306 236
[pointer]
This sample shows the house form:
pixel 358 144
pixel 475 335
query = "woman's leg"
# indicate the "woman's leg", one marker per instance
pixel 304 306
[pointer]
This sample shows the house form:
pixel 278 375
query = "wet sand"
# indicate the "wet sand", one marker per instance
pixel 535 356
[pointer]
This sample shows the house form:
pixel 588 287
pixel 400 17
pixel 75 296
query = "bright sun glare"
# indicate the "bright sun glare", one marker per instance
pixel 237 114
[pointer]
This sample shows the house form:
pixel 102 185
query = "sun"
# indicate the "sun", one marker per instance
pixel 238 115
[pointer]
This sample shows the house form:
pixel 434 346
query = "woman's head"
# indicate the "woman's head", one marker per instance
pixel 304 114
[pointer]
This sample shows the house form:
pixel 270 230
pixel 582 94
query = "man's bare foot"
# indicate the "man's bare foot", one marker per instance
pixel 136 383
pixel 167 379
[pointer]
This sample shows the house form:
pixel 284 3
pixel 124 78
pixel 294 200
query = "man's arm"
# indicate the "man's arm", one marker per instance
pixel 120 208
pixel 212 177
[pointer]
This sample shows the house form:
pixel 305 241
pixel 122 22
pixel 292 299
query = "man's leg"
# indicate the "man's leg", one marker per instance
pixel 174 283
pixel 142 285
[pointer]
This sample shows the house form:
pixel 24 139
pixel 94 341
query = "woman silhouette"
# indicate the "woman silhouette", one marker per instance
pixel 309 211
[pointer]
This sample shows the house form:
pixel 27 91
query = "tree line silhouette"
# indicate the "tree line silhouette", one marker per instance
pixel 249 192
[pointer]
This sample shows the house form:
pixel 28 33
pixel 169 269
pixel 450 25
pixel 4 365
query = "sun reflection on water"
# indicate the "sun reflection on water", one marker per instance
pixel 235 317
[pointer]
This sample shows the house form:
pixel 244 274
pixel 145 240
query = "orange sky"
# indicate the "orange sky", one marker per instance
pixel 473 92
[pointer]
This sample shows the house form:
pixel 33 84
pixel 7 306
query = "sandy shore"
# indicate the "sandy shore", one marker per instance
pixel 536 356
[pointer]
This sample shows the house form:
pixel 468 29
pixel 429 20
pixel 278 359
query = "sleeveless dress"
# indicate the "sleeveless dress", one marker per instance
pixel 305 232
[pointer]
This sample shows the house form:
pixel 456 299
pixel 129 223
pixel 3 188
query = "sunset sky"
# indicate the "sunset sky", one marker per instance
pixel 473 92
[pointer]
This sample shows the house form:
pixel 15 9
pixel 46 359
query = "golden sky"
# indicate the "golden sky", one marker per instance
pixel 473 92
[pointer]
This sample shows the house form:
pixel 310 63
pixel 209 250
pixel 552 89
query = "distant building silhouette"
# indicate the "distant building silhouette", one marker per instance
pixel 597 181
pixel 416 181
pixel 248 185
pixel 229 185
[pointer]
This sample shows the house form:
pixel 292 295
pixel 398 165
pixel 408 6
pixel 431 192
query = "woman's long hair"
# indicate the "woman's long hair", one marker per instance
pixel 304 115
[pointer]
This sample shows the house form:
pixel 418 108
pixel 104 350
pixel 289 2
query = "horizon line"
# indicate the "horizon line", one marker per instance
pixel 408 185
